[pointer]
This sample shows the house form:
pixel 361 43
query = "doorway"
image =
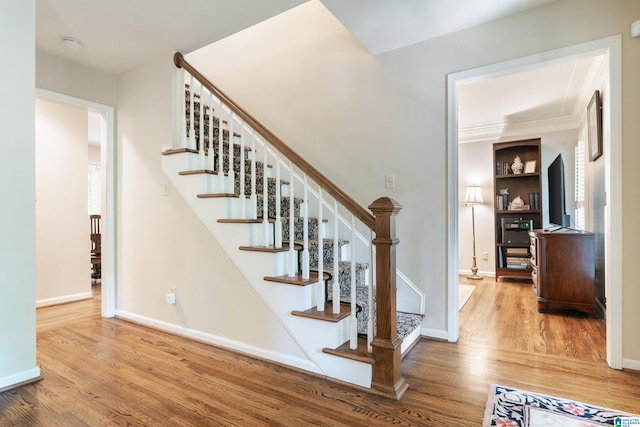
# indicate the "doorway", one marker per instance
pixel 105 121
pixel 610 47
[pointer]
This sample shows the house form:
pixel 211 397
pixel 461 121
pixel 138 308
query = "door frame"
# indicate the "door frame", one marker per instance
pixel 612 147
pixel 107 180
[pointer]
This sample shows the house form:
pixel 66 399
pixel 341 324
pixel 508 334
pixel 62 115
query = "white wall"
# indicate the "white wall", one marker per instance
pixel 318 89
pixel 161 244
pixel 62 224
pixel 17 189
pixel 70 78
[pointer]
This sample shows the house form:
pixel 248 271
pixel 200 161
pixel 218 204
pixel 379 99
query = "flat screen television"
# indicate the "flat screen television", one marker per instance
pixel 557 211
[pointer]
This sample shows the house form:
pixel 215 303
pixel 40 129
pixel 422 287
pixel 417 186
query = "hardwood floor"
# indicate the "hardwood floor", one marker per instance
pixel 103 372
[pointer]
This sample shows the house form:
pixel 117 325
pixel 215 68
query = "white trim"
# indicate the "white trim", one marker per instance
pixel 108 194
pixel 438 334
pixel 453 327
pixel 63 299
pixel 613 210
pixel 631 364
pixel 221 341
pixel 610 46
pixel 19 378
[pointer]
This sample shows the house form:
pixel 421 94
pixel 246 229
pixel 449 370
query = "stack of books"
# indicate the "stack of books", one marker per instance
pixel 534 200
pixel 518 258
pixel 503 168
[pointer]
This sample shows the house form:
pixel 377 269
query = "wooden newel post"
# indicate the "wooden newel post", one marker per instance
pixel 387 371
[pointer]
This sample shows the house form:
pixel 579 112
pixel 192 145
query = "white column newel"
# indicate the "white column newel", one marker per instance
pixel 254 159
pixel 243 203
pixel 231 176
pixel 292 218
pixel 220 170
pixel 278 224
pixel 320 285
pixel 192 132
pixel 305 231
pixel 336 260
pixel 265 199
pixel 354 321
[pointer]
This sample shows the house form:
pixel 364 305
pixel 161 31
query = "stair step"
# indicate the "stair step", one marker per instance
pixel 179 151
pixel 297 279
pixel 327 315
pixel 267 249
pixel 216 195
pixel 361 353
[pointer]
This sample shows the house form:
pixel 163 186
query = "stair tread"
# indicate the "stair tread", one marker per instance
pixel 361 353
pixel 326 315
pixel 267 249
pixel 216 195
pixel 296 280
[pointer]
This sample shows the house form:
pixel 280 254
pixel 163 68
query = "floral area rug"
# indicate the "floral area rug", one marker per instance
pixel 509 407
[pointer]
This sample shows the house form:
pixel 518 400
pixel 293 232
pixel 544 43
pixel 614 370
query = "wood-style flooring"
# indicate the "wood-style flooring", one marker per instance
pixel 109 372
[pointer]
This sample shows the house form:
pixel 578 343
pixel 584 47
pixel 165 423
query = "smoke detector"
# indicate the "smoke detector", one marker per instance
pixel 71 43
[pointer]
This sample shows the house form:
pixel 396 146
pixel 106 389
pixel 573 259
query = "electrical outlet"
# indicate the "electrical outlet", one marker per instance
pixel 389 181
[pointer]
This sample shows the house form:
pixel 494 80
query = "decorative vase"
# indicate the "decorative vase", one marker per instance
pixel 517 166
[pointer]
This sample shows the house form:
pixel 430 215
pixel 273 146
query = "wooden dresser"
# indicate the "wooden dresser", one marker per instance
pixel 563 270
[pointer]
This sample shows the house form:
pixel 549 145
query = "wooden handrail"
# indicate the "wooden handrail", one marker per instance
pixel 351 205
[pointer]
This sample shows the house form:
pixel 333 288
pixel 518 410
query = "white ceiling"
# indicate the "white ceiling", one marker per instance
pixel 120 34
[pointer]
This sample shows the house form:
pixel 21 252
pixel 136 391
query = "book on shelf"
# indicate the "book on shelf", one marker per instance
pixel 534 200
pixel 517 251
pixel 502 202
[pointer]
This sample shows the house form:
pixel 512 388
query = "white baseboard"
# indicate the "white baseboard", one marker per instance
pixel 480 273
pixel 63 299
pixel 631 364
pixel 262 353
pixel 19 378
pixel 434 333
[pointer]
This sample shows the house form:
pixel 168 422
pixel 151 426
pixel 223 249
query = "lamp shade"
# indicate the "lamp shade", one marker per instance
pixel 473 196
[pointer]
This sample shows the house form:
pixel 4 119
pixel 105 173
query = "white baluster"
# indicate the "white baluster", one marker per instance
pixel 336 260
pixel 243 204
pixel 292 217
pixel 212 158
pixel 278 224
pixel 192 132
pixel 265 199
pixel 305 232
pixel 220 150
pixel 231 176
pixel 354 321
pixel 182 109
pixel 254 159
pixel 201 129
pixel 320 286
pixel 370 292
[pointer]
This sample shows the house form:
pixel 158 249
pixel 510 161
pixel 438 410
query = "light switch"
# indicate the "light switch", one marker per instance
pixel 389 181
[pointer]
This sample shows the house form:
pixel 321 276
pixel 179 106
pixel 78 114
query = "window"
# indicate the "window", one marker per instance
pixel 580 220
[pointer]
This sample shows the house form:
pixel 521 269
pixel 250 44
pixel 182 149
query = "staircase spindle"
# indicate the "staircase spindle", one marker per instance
pixel 243 203
pixel 292 218
pixel 320 284
pixel 220 150
pixel 278 224
pixel 336 259
pixel 354 321
pixel 192 132
pixel 231 177
pixel 265 199
pixel 211 163
pixel 182 140
pixel 201 129
pixel 370 291
pixel 305 231
pixel 254 159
